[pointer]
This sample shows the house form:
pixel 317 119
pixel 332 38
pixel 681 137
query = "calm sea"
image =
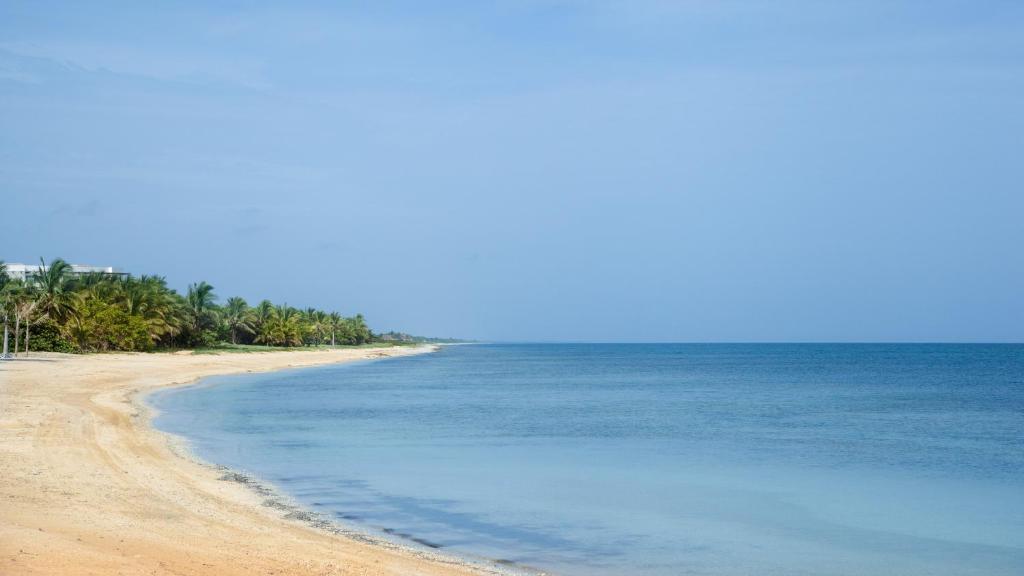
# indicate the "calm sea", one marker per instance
pixel 649 459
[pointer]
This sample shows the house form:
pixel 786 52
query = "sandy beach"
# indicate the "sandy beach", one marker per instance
pixel 87 486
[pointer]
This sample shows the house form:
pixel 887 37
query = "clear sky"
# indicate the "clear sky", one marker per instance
pixel 536 170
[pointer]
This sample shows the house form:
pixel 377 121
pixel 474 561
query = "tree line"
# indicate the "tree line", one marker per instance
pixel 57 310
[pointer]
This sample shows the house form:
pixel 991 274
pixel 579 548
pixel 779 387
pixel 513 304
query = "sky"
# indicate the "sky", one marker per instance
pixel 536 170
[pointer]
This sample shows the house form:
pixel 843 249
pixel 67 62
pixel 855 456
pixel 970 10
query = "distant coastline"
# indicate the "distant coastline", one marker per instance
pixel 63 307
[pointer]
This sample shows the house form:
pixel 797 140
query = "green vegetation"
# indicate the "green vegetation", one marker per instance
pixel 402 337
pixel 57 310
pixel 229 348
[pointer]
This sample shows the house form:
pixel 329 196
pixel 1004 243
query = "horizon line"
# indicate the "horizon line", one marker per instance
pixel 753 342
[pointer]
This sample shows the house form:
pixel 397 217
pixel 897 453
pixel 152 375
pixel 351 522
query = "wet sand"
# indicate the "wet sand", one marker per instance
pixel 87 486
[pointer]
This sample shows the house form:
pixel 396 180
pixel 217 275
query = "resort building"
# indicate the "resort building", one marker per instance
pixel 23 271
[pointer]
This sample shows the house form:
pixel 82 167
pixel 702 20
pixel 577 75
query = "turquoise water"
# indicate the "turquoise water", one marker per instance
pixel 649 459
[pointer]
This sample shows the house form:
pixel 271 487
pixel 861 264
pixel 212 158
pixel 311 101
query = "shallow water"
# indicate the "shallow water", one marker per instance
pixel 649 459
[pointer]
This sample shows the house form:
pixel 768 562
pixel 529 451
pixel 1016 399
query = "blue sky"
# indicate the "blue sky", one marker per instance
pixel 536 170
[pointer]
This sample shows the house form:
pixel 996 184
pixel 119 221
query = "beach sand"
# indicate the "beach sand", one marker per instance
pixel 87 486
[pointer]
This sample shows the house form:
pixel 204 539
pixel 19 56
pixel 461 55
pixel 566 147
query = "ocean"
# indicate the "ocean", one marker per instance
pixel 648 459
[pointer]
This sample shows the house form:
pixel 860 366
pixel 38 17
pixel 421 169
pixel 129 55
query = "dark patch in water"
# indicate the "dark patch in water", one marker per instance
pixel 426 543
pixel 411 538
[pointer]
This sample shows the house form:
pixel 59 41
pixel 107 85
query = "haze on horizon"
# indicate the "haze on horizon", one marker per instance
pixel 536 170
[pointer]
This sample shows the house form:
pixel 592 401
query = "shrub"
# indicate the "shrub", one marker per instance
pixel 46 337
pixel 103 327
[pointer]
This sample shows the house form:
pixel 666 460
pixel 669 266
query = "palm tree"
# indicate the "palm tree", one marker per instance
pixel 149 298
pixel 4 279
pixel 238 317
pixel 57 299
pixel 346 333
pixel 315 325
pixel 334 321
pixel 24 301
pixel 201 302
pixel 289 326
pixel 262 315
pixel 282 326
pixel 360 331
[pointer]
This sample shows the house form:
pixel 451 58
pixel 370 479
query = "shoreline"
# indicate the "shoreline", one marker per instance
pixel 89 486
pixel 278 499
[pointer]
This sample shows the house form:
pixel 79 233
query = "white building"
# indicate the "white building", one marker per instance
pixel 23 271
